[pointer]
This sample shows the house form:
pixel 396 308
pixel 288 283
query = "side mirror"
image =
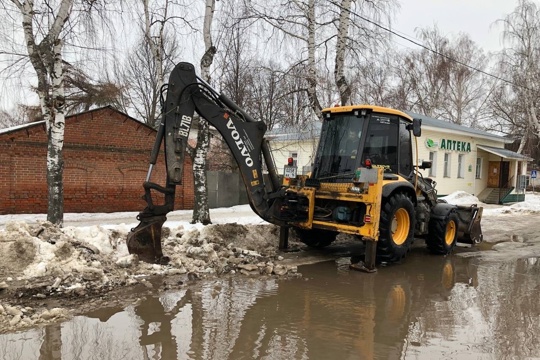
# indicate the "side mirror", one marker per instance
pixel 426 164
pixel 416 127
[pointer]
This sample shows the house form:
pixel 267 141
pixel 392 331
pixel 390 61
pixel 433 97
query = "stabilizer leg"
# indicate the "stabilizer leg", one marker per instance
pixel 370 257
pixel 283 237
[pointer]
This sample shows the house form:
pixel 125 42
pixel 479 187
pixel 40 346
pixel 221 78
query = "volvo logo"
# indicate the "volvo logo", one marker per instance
pixel 239 143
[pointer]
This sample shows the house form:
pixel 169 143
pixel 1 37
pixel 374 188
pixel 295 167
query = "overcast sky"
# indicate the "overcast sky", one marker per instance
pixel 474 17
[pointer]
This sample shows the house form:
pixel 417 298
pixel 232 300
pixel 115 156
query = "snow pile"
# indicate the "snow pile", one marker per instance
pixel 461 198
pixel 43 261
pixel 531 205
pixel 96 253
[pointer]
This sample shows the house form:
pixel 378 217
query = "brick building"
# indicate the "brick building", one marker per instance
pixel 106 155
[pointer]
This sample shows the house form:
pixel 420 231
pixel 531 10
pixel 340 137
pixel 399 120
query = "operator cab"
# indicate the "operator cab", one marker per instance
pixel 361 136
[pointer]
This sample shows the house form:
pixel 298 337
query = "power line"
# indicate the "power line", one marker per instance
pixel 428 48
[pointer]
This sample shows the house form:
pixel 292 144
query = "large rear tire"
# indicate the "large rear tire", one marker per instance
pixel 316 238
pixel 396 228
pixel 442 234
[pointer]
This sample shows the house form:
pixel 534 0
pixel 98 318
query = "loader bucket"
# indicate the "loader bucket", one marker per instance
pixel 145 240
pixel 469 229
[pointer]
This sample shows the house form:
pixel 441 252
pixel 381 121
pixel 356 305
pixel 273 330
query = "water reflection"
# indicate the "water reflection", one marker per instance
pixel 426 308
pixel 156 326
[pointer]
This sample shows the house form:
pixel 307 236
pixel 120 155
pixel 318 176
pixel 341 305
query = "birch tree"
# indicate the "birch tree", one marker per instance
pixel 325 35
pixel 358 41
pixel 48 26
pixel 154 35
pixel 43 26
pixel 201 212
pixel 341 44
pixel 311 61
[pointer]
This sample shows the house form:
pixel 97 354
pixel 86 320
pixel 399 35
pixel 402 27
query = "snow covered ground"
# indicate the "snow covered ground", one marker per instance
pixel 89 255
pixel 242 214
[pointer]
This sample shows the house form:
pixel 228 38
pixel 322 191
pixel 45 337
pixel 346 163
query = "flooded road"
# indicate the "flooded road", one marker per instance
pixel 426 308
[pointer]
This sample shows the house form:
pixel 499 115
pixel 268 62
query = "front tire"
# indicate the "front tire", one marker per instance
pixel 442 234
pixel 396 228
pixel 316 238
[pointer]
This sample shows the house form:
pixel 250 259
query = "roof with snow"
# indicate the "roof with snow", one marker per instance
pixel 447 125
pixel 42 122
pixel 309 131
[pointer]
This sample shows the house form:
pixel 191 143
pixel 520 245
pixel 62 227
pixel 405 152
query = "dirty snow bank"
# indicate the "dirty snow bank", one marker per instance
pixel 42 261
pixel 531 205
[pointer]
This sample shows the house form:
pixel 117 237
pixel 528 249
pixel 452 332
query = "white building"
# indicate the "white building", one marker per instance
pixel 463 158
pixel 297 143
pixel 471 160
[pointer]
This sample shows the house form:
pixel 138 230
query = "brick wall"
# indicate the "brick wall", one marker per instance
pixel 106 155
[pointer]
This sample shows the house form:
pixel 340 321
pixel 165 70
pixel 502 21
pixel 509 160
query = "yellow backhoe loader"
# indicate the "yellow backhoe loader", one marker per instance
pixel 365 179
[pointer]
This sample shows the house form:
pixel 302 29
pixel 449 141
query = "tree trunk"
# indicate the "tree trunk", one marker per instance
pixel 312 70
pixel 342 36
pixel 156 43
pixel 55 137
pixel 201 211
pixel 46 58
pixel 51 346
pixel 55 171
pixel 534 123
pixel 523 142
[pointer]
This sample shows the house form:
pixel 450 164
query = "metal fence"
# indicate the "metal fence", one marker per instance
pixel 225 189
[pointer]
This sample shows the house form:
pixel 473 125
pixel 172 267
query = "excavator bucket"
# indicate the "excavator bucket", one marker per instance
pixel 469 230
pixel 145 240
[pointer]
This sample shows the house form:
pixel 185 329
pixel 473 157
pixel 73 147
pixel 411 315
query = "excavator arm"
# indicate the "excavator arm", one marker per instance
pixel 187 94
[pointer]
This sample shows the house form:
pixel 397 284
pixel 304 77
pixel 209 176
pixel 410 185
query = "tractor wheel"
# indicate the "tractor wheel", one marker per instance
pixel 316 238
pixel 396 228
pixel 442 234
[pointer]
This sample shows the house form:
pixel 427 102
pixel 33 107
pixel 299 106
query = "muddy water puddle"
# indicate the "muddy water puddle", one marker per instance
pixel 426 308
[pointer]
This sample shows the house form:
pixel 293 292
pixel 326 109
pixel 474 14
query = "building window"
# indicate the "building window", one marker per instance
pixel 478 168
pixel 447 165
pixel 433 159
pixel 460 170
